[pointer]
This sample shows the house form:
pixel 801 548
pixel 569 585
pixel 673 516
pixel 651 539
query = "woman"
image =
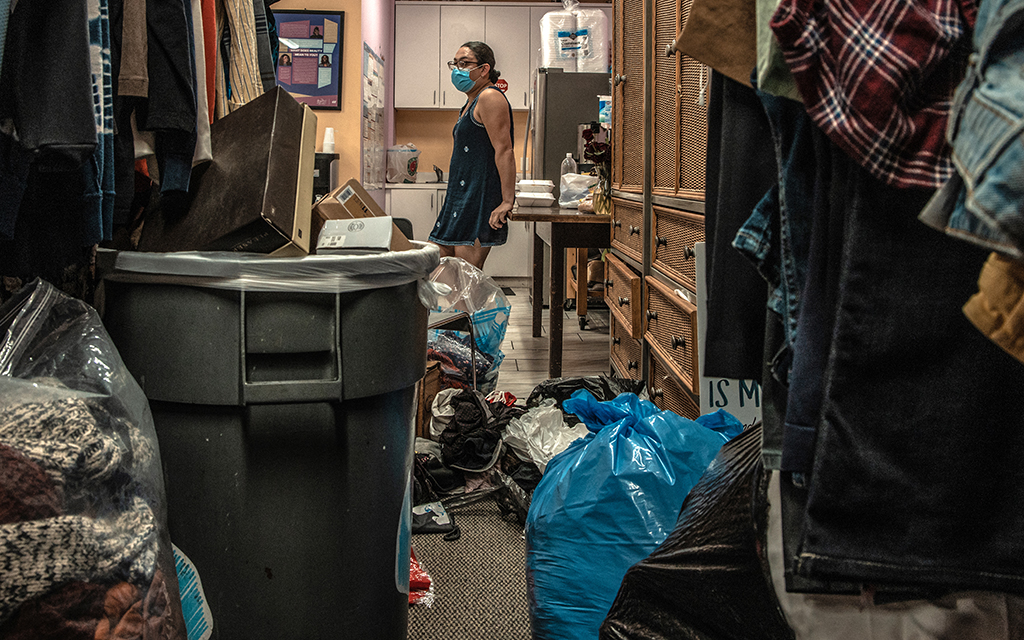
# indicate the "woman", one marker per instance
pixel 482 172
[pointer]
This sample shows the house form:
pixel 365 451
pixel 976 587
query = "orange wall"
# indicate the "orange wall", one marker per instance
pixel 431 132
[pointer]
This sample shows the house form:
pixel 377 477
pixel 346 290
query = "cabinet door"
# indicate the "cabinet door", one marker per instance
pixel 628 96
pixel 508 33
pixel 459 25
pixel 420 206
pixel 417 50
pixel 511 259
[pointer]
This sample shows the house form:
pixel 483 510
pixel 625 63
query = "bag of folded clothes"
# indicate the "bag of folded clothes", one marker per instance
pixel 84 544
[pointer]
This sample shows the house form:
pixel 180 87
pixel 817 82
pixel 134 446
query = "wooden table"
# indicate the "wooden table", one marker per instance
pixel 562 229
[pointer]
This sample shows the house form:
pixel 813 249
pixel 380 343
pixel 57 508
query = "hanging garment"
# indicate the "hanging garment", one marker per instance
pixel 773 76
pixel 98 174
pixel 984 202
pixel 997 310
pixel 238 69
pixel 266 58
pixel 130 45
pixel 877 76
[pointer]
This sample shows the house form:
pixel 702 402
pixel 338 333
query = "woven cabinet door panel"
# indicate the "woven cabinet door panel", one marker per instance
pixel 672 331
pixel 672 249
pixel 694 91
pixel 668 393
pixel 622 295
pixel 628 97
pixel 626 351
pixel 665 143
pixel 627 228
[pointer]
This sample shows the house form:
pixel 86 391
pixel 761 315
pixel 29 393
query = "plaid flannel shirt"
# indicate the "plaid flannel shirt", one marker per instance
pixel 878 77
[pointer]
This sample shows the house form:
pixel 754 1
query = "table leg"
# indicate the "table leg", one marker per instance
pixel 537 290
pixel 581 282
pixel 557 301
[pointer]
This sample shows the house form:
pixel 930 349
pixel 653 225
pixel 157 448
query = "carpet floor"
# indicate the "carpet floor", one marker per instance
pixel 479 580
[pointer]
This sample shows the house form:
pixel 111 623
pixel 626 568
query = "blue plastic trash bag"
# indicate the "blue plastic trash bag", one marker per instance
pixel 605 503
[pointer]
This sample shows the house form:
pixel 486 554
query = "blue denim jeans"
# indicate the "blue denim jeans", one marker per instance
pixel 917 476
pixel 984 204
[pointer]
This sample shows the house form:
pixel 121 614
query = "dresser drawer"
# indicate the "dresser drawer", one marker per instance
pixel 668 393
pixel 622 295
pixel 672 244
pixel 627 228
pixel 626 351
pixel 672 331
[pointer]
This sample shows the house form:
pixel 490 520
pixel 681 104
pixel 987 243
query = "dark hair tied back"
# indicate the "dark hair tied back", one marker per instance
pixel 484 55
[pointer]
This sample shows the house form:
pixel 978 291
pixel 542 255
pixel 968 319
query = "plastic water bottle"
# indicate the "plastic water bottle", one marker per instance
pixel 568 165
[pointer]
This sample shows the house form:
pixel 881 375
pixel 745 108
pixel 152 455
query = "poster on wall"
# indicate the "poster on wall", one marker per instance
pixel 309 59
pixel 373 122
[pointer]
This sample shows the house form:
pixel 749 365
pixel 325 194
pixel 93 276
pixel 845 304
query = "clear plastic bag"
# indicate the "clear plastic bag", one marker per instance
pixel 403 162
pixel 540 434
pixel 84 508
pixel 574 187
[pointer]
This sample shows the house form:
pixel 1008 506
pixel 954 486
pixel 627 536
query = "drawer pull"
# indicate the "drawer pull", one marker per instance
pixel 623 301
pixel 617 224
pixel 620 79
pixel 652 315
pixel 678 342
pixel 670 50
pixel 616 341
pixel 662 242
pixel 658 393
pixel 608 284
pixel 688 253
pixel 632 364
pixel 634 231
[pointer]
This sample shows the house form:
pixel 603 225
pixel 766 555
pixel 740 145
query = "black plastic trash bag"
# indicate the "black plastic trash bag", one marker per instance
pixel 602 387
pixel 709 580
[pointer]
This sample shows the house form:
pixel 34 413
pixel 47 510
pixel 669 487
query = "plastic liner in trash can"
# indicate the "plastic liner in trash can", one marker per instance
pixel 83 513
pixel 603 504
pixel 710 578
pixel 283 393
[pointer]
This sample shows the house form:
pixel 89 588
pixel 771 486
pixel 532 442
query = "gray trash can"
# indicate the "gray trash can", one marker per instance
pixel 282 390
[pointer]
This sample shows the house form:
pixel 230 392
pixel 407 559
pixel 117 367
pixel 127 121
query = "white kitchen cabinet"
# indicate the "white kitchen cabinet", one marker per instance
pixel 419 205
pixel 428 35
pixel 507 31
pixel 511 259
pixel 417 48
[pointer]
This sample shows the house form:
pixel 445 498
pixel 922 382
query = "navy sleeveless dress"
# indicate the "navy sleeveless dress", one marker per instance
pixel 474 186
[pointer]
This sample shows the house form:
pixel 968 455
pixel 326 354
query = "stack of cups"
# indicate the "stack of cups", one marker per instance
pixel 328 140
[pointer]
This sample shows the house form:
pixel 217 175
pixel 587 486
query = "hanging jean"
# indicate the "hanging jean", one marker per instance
pixel 916 474
pixel 984 203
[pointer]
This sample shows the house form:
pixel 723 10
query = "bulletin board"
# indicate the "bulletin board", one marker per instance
pixel 309 60
pixel 373 121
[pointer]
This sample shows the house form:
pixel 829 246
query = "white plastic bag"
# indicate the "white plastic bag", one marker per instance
pixel 540 434
pixel 574 187
pixel 403 162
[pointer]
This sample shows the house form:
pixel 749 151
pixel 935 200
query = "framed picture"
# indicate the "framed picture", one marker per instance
pixel 309 56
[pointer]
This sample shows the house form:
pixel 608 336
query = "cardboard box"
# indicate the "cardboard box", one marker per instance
pixel 255 194
pixel 366 235
pixel 348 201
pixel 428 387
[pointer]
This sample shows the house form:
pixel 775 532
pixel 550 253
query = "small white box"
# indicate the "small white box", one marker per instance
pixel 357 235
pixel 535 200
pixel 535 186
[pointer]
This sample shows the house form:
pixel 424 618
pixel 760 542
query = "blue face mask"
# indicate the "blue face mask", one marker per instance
pixel 462 81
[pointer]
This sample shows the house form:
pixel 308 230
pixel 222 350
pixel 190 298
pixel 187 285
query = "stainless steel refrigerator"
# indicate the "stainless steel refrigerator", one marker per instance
pixel 561 102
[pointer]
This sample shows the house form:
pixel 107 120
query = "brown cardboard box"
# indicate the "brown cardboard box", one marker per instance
pixel 351 200
pixel 254 195
pixel 428 387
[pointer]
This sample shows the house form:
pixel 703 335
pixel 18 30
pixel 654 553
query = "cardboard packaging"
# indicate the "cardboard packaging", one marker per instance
pixel 255 194
pixel 365 235
pixel 348 201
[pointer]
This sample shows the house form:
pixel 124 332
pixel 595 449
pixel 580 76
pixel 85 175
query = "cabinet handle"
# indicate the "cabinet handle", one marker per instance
pixel 634 231
pixel 435 97
pixel 659 241
pixel 616 341
pixel 658 393
pixel 623 301
pixel 526 103
pixel 670 50
pixel 678 342
pixel 620 79
pixel 617 224
pixel 632 364
pixel 652 315
pixel 688 253
pixel 608 284
pixel 432 203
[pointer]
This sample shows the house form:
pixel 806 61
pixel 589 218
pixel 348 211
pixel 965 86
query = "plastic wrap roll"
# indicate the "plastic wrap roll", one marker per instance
pixel 557 30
